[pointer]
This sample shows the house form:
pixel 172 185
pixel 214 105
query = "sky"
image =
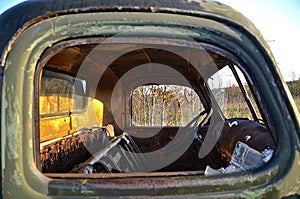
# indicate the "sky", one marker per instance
pixel 279 23
pixel 277 20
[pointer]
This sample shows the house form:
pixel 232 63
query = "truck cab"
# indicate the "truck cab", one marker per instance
pixel 142 99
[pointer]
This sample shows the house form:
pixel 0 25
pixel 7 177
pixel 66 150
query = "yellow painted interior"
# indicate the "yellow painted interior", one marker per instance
pixel 58 120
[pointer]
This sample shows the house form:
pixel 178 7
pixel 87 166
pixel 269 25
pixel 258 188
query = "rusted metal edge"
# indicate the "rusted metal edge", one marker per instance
pixel 121 175
pixel 196 13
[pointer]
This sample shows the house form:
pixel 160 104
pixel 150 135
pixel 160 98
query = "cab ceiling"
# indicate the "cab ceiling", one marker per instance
pixel 142 63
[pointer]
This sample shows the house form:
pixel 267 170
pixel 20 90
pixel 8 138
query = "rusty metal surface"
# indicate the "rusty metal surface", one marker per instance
pixel 47 9
pixel 62 155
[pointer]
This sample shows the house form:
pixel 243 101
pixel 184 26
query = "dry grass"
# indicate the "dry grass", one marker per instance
pixel 297 101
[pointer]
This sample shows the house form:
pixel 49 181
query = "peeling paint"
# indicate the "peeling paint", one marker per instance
pixel 16 178
pixel 12 120
pixel 30 143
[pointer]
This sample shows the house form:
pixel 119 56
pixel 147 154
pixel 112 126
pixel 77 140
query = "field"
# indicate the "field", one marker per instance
pixel 297 101
pixel 294 87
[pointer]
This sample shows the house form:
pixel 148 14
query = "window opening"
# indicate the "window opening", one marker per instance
pixel 164 105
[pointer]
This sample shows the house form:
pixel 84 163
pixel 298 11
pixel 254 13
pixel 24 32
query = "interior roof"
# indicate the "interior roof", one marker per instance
pixel 147 62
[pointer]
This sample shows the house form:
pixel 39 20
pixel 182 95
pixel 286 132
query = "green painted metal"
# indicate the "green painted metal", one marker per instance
pixel 21 178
